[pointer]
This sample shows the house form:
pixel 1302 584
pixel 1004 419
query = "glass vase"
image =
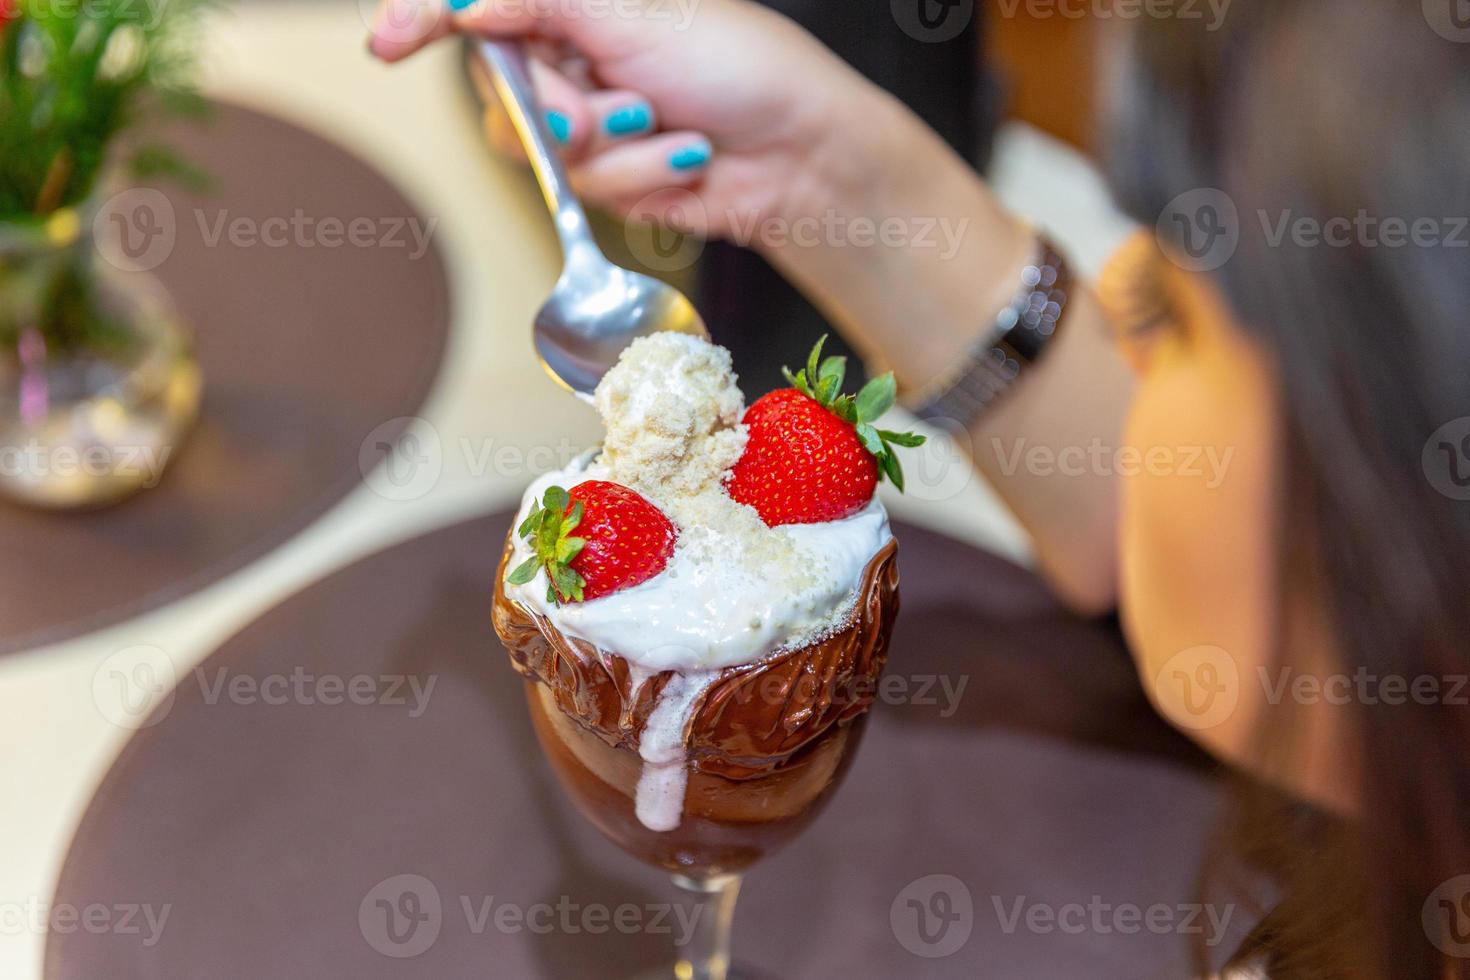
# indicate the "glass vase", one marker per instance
pixel 98 381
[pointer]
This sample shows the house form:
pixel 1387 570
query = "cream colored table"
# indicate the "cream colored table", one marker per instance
pixel 494 418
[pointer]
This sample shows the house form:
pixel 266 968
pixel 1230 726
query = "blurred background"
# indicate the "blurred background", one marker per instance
pixel 330 294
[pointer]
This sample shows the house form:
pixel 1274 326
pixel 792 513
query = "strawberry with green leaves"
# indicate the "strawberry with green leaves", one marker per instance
pixel 621 540
pixel 815 454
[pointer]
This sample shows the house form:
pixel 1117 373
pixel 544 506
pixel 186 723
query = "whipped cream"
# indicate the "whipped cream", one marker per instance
pixel 734 591
pixel 718 603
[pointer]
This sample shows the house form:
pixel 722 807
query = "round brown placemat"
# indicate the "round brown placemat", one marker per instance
pixel 267 839
pixel 306 348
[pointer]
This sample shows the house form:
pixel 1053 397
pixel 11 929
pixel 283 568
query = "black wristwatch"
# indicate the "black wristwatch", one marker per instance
pixel 1019 338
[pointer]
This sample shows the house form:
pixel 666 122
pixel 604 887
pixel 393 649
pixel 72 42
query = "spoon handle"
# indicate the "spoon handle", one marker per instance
pixel 510 73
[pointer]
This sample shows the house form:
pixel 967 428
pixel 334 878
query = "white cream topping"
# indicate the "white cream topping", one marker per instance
pixel 717 604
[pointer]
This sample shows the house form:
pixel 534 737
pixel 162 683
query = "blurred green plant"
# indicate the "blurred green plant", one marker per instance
pixel 75 75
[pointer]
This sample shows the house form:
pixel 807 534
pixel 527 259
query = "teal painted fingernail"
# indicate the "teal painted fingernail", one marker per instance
pixel 635 118
pixel 459 4
pixel 690 157
pixel 561 125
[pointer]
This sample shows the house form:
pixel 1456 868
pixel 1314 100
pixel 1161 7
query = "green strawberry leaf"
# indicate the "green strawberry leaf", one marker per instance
pixel 871 440
pixel 532 520
pixel 525 571
pixel 827 388
pixel 548 532
pixel 845 407
pixel 876 398
pixel 799 382
pixel 547 529
pixel 568 583
pixel 813 372
pixel 834 367
pixel 906 439
pixel 892 469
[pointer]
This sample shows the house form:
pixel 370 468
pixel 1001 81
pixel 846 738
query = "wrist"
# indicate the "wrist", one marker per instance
pixel 914 302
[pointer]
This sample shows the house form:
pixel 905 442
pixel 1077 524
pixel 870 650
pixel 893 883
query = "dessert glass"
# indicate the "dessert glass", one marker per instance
pixel 767 745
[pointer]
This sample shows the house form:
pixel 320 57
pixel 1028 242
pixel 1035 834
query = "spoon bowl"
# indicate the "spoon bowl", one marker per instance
pixel 593 314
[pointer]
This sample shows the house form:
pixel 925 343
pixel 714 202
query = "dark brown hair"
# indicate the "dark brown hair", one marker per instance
pixel 1324 109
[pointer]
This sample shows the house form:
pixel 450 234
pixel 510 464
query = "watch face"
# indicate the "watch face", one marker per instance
pixel 1022 332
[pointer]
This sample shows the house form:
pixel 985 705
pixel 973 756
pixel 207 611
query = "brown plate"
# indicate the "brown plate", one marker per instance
pixel 306 348
pixel 280 835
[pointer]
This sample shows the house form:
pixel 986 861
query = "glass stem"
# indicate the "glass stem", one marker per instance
pixel 705 952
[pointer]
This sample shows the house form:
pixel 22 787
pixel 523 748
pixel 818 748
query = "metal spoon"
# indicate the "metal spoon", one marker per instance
pixel 597 308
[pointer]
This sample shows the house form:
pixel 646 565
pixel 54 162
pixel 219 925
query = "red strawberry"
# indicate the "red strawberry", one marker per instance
pixel 623 540
pixel 814 454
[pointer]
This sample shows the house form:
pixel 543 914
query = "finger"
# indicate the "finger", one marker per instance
pixel 564 105
pixel 401 27
pixel 628 171
pixel 616 117
pixel 597 36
